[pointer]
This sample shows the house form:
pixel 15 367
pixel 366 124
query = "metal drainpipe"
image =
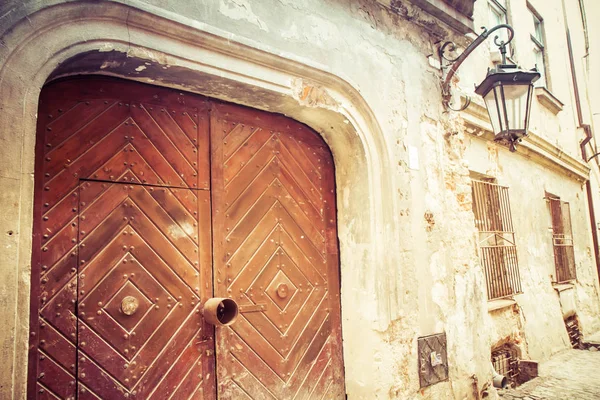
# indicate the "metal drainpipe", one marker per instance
pixel 588 136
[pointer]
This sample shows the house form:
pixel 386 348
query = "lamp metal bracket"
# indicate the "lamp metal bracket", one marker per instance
pixel 455 63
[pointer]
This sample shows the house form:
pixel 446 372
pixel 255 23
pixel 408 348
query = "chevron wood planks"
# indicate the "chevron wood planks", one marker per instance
pixel 149 201
pixel 272 186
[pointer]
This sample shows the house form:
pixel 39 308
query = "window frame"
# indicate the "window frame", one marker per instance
pixel 498 8
pixel 538 46
pixel 563 246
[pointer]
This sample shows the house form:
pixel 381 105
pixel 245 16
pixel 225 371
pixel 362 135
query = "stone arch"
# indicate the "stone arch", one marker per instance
pixel 120 40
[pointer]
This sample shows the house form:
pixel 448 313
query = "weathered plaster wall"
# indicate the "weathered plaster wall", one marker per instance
pixel 592 59
pixel 382 294
pixel 591 64
pixel 539 318
pixel 408 260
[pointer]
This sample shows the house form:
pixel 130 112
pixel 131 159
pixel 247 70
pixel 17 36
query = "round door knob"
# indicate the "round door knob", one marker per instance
pixel 282 291
pixel 129 305
pixel 220 311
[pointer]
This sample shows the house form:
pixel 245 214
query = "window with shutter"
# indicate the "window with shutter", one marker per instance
pixel 562 240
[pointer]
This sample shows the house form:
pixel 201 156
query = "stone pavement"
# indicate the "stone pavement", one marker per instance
pixel 569 375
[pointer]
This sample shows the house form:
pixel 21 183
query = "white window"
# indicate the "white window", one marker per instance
pixel 537 41
pixel 497 15
pixel 562 239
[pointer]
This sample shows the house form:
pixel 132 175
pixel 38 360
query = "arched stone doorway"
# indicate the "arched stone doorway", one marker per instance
pixel 223 67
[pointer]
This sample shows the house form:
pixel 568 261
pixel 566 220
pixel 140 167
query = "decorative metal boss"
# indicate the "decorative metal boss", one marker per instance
pixel 507 90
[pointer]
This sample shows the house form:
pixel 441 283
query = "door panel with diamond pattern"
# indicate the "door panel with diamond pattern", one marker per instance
pixel 138 252
pixel 102 246
pixel 275 249
pixel 137 187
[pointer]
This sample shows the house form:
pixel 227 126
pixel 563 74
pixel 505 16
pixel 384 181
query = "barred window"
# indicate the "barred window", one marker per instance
pixel 562 239
pixel 496 241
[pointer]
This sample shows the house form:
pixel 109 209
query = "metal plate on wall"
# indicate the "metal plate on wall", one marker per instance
pixel 433 359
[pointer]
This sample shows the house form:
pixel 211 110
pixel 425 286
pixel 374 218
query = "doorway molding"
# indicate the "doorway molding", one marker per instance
pixel 140 42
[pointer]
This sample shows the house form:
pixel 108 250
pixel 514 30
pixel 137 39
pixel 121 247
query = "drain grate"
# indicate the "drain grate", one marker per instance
pixel 574 331
pixel 505 360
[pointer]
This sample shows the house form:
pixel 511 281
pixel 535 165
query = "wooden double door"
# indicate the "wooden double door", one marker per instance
pixel 150 201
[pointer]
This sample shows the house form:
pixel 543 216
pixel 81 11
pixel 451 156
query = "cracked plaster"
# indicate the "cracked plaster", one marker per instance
pixel 403 276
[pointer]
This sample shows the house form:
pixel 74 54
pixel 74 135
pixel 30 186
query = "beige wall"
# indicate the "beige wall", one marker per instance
pixel 408 262
pixel 538 317
pixel 592 61
pixel 535 322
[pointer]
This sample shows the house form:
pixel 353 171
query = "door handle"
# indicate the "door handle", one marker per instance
pixel 220 311
pixel 253 308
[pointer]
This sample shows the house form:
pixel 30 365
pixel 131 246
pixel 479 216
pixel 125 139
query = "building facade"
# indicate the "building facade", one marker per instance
pixel 435 251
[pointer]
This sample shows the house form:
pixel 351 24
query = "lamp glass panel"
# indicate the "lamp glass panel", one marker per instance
pixel 516 105
pixel 502 116
pixel 490 103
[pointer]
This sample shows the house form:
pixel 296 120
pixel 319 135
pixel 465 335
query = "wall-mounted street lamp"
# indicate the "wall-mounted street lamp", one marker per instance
pixel 507 90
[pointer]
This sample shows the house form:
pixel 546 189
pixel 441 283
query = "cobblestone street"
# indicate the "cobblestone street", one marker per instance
pixel 572 374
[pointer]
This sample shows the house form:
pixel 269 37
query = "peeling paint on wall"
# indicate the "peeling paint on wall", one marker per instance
pixel 241 10
pixel 428 278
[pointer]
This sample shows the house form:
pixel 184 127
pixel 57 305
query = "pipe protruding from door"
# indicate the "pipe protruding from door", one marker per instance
pixel 220 311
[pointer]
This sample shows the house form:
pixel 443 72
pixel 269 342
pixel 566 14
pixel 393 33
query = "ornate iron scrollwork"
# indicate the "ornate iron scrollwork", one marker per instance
pixel 456 62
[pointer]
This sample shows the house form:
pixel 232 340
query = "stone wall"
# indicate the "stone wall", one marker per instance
pixel 361 74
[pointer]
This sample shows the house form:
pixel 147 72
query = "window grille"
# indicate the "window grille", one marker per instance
pixel 496 243
pixel 562 240
pixel 505 360
pixel 574 332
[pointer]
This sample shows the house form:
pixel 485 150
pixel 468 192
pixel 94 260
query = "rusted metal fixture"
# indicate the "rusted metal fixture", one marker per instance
pixel 282 290
pixel 574 332
pixel 528 369
pixel 433 359
pixel 475 383
pixel 220 311
pixel 507 89
pixel 129 305
pixel 498 380
pixel 456 62
pixel 477 393
pixel 505 366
